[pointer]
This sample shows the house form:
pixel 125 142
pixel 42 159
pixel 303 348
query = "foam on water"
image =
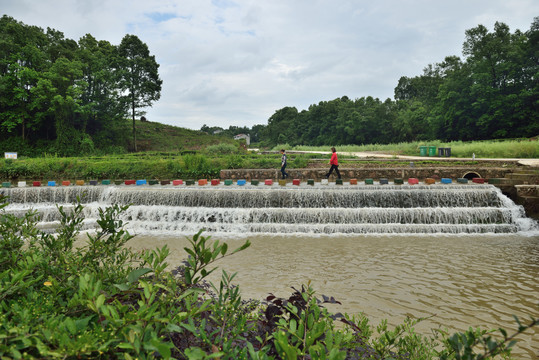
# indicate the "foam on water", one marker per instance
pixel 367 209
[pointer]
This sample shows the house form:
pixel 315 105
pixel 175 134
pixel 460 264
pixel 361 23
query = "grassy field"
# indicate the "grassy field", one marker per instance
pixel 483 149
pixel 204 156
pixel 146 165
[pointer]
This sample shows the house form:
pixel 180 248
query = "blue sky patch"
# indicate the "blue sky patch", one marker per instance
pixel 160 17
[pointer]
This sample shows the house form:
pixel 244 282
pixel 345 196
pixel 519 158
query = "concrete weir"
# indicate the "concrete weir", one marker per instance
pixel 519 184
pixel 322 208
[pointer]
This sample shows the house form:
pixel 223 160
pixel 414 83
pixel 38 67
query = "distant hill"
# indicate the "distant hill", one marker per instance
pixel 154 136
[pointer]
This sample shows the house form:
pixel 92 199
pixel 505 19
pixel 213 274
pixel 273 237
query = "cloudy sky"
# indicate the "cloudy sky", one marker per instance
pixel 234 62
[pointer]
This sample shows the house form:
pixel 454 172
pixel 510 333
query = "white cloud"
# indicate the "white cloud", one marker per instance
pixel 227 62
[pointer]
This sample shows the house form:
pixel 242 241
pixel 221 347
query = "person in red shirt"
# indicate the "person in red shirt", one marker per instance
pixel 334 162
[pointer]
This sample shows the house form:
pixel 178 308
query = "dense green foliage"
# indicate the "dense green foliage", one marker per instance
pixel 492 93
pixel 102 300
pixel 70 97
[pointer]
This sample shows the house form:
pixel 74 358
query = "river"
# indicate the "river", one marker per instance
pixel 456 281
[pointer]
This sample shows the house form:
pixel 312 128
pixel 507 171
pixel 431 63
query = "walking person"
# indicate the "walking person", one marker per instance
pixel 283 164
pixel 334 162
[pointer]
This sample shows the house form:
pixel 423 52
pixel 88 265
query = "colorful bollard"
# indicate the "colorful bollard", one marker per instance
pixel 51 183
pixel 296 182
pixel 141 182
pixel 66 183
pixel 282 182
pixel 215 182
pixel 353 181
pixel 268 182
pixel 310 182
pixel 153 182
pixel 177 182
pixel 36 183
pixel 384 181
pixel 255 182
pixel 118 182
pixel 398 181
pixel 462 180
pixel 446 181
pixel 105 182
pixel 369 181
pixel 79 182
pixel 478 180
pixel 338 182
pixel 130 182
pixel 430 181
pixel 93 182
pixel 189 182
pixel 165 182
pixel 6 184
pixel 241 182
pixel 413 181
pixel 228 182
pixel 494 181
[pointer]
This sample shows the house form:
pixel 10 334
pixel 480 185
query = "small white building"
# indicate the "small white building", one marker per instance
pixel 244 136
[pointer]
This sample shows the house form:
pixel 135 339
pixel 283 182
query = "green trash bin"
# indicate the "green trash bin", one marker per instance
pixel 432 150
pixel 423 151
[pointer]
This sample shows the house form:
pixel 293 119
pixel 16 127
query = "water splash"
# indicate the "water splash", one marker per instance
pixel 387 209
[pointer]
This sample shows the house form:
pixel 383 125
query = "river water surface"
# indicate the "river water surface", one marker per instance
pixel 457 281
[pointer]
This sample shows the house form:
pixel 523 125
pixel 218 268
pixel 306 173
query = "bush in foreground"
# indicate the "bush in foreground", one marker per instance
pixel 105 301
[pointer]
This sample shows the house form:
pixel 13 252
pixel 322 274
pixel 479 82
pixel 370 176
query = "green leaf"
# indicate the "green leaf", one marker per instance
pixel 100 301
pixel 293 326
pixel 162 348
pixel 136 274
pixel 122 287
pixel 224 248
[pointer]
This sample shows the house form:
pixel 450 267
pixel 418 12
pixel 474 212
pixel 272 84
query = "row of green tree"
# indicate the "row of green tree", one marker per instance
pixel 493 92
pixel 71 96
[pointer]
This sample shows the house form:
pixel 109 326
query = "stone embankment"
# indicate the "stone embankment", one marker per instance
pixel 374 173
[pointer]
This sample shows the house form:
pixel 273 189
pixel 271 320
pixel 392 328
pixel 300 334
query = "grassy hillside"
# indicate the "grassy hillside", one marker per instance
pixel 153 136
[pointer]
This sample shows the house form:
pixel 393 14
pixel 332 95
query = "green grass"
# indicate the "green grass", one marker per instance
pixel 143 165
pixel 152 136
pixel 524 148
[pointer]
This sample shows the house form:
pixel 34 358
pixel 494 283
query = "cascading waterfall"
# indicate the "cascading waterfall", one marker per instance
pixel 238 211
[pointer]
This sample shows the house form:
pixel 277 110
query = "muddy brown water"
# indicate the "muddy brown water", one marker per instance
pixel 456 281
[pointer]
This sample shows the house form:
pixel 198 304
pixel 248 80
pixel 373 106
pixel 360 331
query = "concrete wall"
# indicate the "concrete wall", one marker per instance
pixel 362 173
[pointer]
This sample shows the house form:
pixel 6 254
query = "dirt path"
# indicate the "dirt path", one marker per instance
pixel 376 155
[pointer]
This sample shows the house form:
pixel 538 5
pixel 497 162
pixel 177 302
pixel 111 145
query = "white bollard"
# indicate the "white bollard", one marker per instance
pixel 21 184
pixel 324 182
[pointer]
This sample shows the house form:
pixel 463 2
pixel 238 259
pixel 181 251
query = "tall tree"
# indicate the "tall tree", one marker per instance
pixel 139 77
